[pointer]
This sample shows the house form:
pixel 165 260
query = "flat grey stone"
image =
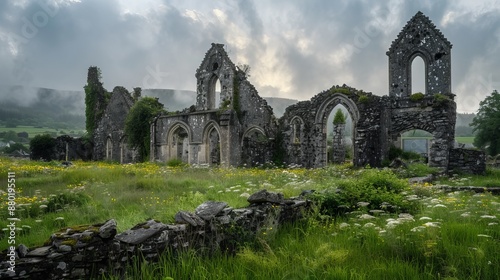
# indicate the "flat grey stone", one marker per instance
pixel 264 196
pixel 141 232
pixel 185 217
pixel 208 210
pixel 108 230
pixel 39 252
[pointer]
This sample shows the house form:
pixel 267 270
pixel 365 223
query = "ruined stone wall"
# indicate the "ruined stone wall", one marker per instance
pixel 420 37
pixel 109 137
pixel 308 145
pixel 73 148
pixel 258 125
pixel 467 161
pixel 89 251
pixel 434 114
pixel 239 118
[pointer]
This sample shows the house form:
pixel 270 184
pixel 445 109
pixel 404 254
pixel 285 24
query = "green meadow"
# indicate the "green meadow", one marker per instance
pixel 366 223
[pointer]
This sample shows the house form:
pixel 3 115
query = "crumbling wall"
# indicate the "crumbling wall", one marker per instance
pixel 88 251
pixel 304 127
pixel 109 139
pixel 467 161
pixel 420 37
pixel 238 118
pixel 69 148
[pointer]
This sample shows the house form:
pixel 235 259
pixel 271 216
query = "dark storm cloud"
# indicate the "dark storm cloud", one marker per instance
pixel 295 48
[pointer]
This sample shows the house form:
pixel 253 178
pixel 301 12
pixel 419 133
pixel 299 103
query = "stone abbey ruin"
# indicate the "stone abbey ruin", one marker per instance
pixel 236 127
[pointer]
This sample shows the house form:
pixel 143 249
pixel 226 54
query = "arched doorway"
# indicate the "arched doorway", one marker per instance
pixel 339 136
pixel 212 144
pixel 179 143
pixel 255 147
pixel 327 108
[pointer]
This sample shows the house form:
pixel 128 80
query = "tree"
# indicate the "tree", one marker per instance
pixel 487 124
pixel 339 117
pixel 137 124
pixel 42 147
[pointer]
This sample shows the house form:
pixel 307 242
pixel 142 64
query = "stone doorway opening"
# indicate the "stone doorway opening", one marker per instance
pixel 413 145
pixel 339 135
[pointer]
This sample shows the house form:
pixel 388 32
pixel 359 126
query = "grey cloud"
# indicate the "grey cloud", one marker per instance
pixel 128 47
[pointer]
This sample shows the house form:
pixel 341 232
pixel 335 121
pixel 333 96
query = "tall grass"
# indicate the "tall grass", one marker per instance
pixel 431 235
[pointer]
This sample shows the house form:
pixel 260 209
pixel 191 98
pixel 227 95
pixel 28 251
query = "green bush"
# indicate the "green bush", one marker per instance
pixel 42 147
pixel 373 189
pixel 417 96
pixel 175 162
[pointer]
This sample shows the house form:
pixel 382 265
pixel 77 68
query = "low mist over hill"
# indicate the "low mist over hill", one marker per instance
pixel 41 107
pixel 65 109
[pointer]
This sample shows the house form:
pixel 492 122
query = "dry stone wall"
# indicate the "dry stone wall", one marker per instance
pixel 88 251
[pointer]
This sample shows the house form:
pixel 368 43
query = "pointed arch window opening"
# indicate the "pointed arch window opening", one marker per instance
pixel 418 75
pixel 214 94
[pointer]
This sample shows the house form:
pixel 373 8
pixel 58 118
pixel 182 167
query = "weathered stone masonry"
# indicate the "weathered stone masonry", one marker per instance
pixel 84 252
pixel 110 142
pixel 236 127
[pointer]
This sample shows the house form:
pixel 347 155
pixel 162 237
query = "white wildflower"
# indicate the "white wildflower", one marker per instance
pixel 366 217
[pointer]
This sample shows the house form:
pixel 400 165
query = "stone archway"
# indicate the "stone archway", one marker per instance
pixel 178 139
pixel 255 144
pixel 321 123
pixel 212 143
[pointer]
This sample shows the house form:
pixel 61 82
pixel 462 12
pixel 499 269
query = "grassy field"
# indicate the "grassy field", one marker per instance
pixel 33 131
pixel 418 231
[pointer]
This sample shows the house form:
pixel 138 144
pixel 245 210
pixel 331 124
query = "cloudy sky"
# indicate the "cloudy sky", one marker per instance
pixel 295 48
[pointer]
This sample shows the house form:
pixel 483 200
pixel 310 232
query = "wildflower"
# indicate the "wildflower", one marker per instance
pixel 344 225
pixel 465 215
pixel 425 218
pixel 432 224
pixel 366 217
pixel 405 217
pixel 14 219
pixel 492 224
pixel 440 206
pixel 488 217
pixel 484 235
pixel 369 225
pixel 247 195
pixel 363 204
pixel 418 229
pixel 392 224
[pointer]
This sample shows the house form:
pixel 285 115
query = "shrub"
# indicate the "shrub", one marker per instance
pixel 364 99
pixel 372 190
pixel 175 162
pixel 42 147
pixel 417 96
